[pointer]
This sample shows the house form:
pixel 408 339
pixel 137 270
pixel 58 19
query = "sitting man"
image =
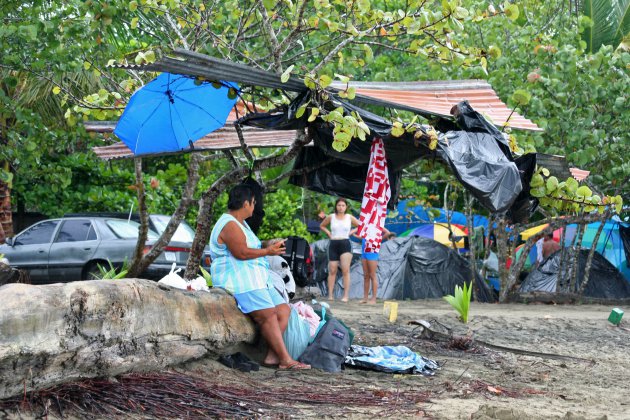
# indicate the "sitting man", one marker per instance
pixel 239 266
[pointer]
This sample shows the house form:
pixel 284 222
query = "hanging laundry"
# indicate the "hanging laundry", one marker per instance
pixel 376 195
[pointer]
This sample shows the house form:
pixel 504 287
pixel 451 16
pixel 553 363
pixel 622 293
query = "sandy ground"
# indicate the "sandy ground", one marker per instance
pixel 476 384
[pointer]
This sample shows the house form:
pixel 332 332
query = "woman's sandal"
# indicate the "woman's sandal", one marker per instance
pixel 295 366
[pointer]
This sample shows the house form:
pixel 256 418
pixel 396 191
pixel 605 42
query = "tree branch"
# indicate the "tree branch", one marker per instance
pixel 275 46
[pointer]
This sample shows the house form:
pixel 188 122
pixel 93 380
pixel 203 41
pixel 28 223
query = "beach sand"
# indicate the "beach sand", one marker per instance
pixel 479 383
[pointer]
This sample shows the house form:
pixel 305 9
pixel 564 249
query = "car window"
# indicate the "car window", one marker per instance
pixel 184 232
pixel 127 229
pixel 76 230
pixel 41 233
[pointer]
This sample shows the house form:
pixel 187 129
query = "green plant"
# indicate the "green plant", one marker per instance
pixel 112 273
pixel 206 276
pixel 461 300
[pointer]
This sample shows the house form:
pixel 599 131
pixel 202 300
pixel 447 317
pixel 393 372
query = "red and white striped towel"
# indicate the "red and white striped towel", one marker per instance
pixel 376 195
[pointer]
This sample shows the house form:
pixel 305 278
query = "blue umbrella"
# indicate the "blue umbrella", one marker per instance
pixel 172 111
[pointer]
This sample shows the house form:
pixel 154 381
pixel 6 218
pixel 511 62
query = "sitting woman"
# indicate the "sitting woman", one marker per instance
pixel 239 266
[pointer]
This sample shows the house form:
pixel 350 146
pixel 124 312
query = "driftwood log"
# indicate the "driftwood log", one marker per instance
pixel 62 332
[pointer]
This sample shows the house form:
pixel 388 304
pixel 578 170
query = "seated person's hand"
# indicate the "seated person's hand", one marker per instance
pixel 276 247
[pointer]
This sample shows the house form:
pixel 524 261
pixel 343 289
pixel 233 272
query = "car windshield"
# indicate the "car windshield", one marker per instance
pixel 184 232
pixel 127 229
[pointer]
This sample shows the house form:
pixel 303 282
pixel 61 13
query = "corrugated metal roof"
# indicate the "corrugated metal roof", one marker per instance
pixel 435 98
pixel 225 138
pixel 579 174
pixel 438 97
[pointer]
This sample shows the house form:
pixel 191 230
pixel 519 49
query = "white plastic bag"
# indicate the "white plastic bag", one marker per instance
pixel 199 284
pixel 173 279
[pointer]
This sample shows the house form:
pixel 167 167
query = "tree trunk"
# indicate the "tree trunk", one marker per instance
pixel 202 234
pixel 589 259
pixel 502 239
pixel 472 251
pixel 134 266
pixel 575 259
pixel 6 217
pixel 63 332
pixel 178 215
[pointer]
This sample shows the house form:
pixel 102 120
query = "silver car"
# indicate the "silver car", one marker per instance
pixel 72 248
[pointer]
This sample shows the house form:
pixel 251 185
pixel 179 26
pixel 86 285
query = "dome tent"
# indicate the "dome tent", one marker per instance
pixel 409 268
pixel 552 276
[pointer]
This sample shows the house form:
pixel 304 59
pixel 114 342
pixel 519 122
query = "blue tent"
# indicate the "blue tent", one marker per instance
pixel 410 216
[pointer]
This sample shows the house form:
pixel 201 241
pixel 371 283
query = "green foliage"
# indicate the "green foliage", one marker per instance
pixel 112 273
pixel 282 211
pixel 568 196
pixel 605 22
pixel 461 301
pixel 206 276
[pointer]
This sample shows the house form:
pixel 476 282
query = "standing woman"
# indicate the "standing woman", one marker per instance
pixel 369 260
pixel 340 249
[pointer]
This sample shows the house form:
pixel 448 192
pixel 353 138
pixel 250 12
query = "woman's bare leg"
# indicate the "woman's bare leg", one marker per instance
pixel 372 267
pixel 283 312
pixel 346 259
pixel 332 278
pixel 366 281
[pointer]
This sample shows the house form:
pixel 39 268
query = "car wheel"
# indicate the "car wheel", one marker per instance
pixel 91 271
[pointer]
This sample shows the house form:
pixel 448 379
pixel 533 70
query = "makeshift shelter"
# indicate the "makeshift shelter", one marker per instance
pixel 554 275
pixel 409 268
pixel 473 147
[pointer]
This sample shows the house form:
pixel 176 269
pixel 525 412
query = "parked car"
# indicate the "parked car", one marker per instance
pixel 71 248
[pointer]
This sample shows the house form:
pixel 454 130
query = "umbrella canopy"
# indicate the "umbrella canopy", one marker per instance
pixel 438 232
pixel 172 111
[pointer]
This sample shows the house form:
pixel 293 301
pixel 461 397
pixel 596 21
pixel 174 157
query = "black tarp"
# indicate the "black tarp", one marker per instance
pixel 552 276
pixel 524 205
pixel 474 149
pixel 480 158
pixel 409 268
pixel 340 178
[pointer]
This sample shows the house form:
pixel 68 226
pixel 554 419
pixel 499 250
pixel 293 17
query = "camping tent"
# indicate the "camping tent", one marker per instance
pixel 605 280
pixel 610 243
pixel 409 268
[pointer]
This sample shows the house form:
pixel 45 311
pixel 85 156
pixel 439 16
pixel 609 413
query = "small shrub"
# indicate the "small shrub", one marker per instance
pixel 461 300
pixel 112 273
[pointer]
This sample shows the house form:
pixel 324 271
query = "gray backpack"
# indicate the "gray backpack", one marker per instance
pixel 329 348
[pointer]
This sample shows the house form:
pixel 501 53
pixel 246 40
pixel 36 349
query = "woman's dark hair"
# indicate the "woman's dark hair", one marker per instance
pixel 239 195
pixel 342 200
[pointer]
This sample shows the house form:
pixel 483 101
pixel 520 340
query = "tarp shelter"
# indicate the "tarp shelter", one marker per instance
pixel 554 275
pixel 473 147
pixel 409 268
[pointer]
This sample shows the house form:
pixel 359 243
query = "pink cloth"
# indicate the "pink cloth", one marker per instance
pixel 307 313
pixel 376 195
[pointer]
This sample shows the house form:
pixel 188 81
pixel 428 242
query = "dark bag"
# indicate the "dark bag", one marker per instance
pixel 298 256
pixel 329 349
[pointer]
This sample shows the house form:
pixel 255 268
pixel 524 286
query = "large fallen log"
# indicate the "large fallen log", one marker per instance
pixel 62 332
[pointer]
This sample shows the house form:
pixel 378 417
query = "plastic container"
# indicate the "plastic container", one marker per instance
pixel 615 316
pixel 390 310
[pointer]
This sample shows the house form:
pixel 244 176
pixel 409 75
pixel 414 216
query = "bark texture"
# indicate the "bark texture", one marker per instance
pixel 62 332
